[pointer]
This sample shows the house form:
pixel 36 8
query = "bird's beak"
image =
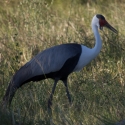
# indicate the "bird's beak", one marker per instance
pixel 111 28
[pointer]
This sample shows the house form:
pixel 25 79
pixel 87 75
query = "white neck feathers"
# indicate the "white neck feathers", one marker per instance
pixel 98 43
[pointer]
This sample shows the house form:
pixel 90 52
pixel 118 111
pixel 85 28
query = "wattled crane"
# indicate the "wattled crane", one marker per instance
pixel 58 62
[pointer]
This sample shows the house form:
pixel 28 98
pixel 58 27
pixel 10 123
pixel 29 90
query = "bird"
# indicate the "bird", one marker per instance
pixel 58 62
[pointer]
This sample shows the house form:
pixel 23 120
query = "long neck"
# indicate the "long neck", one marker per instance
pixel 98 43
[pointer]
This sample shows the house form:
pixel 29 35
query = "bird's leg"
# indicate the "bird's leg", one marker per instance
pixel 67 91
pixel 51 95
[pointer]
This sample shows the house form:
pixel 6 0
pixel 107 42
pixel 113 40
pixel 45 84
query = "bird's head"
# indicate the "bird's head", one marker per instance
pixel 100 21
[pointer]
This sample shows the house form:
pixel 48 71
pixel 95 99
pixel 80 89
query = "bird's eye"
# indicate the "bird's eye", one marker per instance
pixel 102 23
pixel 101 28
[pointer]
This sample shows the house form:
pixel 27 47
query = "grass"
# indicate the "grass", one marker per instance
pixel 98 91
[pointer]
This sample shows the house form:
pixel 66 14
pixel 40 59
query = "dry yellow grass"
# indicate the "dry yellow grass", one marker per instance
pixel 97 91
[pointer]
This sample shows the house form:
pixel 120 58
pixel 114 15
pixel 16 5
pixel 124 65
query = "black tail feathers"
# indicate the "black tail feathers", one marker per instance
pixel 7 99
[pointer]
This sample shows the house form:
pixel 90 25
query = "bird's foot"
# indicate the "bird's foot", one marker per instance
pixel 70 102
pixel 49 103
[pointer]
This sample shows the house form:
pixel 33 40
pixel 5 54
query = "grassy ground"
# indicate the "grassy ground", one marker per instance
pixel 98 91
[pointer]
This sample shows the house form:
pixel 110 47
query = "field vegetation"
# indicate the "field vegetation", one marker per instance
pixel 98 91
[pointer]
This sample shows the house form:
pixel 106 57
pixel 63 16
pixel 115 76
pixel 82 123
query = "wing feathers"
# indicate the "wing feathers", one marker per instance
pixel 50 60
pixel 53 59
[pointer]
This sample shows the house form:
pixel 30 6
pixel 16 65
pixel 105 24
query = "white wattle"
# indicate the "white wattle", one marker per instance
pixel 85 58
pixel 88 54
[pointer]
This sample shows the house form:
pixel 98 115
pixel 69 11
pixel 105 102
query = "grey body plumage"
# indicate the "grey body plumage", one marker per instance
pixel 56 62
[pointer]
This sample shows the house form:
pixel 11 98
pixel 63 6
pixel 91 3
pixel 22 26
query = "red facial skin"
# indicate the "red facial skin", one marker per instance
pixel 102 22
